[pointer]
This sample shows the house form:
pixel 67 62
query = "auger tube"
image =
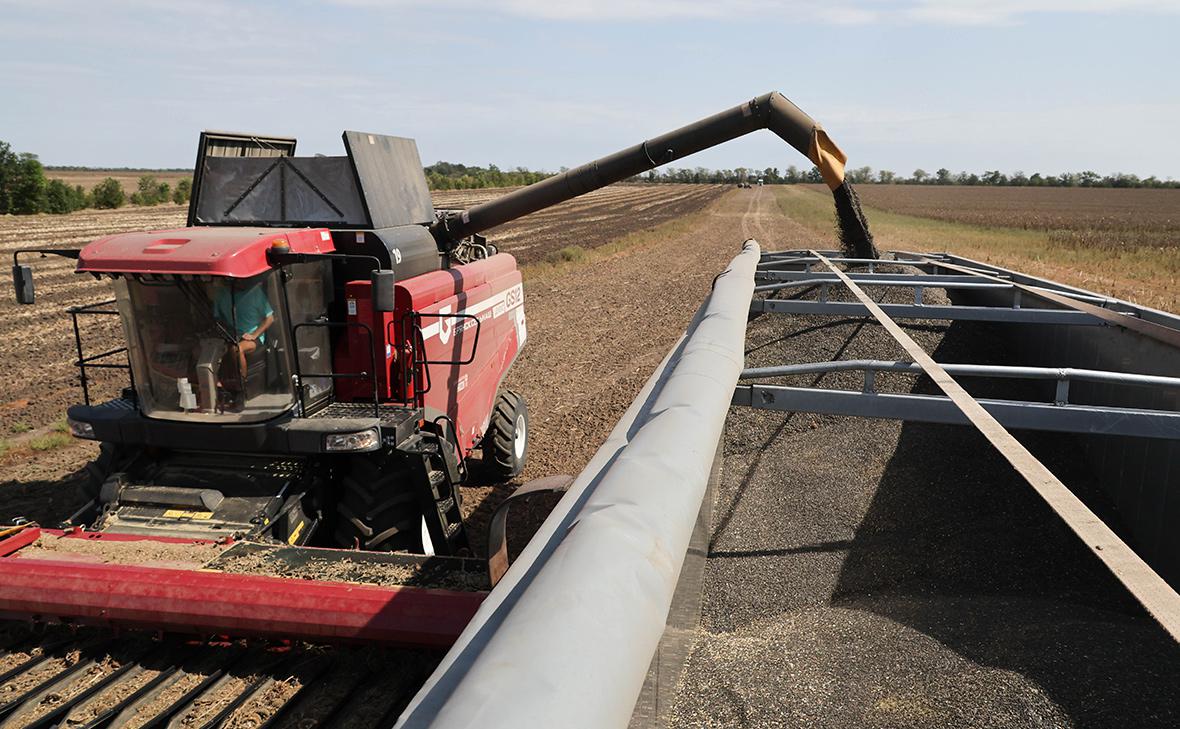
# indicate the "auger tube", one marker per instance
pixel 771 111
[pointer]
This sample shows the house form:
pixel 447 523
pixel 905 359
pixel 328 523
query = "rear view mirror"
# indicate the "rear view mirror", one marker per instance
pixel 383 290
pixel 22 281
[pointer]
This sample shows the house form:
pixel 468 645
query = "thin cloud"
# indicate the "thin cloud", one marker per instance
pixel 853 12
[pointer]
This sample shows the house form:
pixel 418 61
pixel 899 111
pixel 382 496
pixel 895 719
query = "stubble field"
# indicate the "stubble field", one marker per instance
pixel 1073 217
pixel 1119 242
pixel 129 179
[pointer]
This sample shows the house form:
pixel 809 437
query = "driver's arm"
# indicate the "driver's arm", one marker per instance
pixel 260 329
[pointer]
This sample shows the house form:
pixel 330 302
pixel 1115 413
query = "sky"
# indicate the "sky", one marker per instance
pixel 1041 85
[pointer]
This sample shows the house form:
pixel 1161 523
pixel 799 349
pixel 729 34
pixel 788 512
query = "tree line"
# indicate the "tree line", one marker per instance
pixel 453 176
pixel 943 176
pixel 25 189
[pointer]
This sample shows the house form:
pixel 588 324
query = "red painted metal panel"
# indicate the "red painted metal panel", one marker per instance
pixel 229 251
pixel 491 291
pixel 212 602
pixel 20 539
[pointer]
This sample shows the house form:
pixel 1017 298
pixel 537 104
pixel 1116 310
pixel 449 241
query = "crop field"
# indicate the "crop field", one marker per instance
pixel 127 178
pixel 1073 217
pixel 1120 242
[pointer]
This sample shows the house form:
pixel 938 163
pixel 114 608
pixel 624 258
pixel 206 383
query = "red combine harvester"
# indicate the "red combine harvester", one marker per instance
pixel 309 368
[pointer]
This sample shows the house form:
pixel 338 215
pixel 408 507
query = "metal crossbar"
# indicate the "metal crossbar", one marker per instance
pixel 1158 332
pixel 1017 414
pixel 1013 314
pixel 1062 375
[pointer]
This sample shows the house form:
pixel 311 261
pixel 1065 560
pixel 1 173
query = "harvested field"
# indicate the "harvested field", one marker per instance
pixel 1074 216
pixel 129 179
pixel 1122 242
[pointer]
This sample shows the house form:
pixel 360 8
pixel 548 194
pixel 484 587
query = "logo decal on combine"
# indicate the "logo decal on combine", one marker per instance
pixel 446 324
pixel 445 327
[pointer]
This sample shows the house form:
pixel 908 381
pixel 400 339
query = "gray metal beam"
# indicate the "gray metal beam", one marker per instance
pixel 813 277
pixel 1015 414
pixel 971 370
pixel 911 311
pixel 918 281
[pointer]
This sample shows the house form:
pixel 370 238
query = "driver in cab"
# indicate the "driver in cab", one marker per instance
pixel 247 312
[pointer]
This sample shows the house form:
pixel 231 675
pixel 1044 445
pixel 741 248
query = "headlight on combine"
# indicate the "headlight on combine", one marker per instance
pixel 80 430
pixel 364 440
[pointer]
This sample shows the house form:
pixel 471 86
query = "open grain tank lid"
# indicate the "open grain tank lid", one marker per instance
pixel 247 179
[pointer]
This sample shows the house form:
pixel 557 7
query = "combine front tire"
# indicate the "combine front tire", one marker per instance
pixel 506 445
pixel 375 508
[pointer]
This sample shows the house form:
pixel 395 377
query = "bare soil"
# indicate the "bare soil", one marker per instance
pixel 112 696
pixel 177 686
pixel 84 679
pixel 26 680
pixel 268 698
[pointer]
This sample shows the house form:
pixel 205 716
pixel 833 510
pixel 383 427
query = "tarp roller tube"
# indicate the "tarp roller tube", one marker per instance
pixel 566 638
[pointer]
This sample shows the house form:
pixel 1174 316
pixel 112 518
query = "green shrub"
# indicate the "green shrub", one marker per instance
pixel 8 172
pixel 183 191
pixel 49 442
pixel 61 198
pixel 108 194
pixel 569 254
pixel 26 186
pixel 150 192
pixel 20 427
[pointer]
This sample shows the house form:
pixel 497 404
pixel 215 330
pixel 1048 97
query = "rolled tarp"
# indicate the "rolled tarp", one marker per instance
pixel 566 638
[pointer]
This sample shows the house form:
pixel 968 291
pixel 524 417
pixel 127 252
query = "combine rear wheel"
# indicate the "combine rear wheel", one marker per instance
pixel 375 508
pixel 506 445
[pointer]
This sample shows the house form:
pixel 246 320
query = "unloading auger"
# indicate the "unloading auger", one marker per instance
pixel 771 111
